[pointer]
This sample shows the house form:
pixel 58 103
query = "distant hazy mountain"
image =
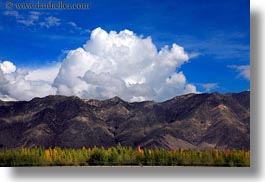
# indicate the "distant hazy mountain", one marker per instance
pixel 189 121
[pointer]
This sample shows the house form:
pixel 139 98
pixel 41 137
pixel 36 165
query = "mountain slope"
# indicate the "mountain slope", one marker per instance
pixel 189 121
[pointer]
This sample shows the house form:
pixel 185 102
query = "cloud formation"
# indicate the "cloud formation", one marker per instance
pixel 7 67
pixel 77 28
pixel 50 22
pixel 209 86
pixel 29 20
pixel 14 84
pixel 44 20
pixel 243 70
pixel 109 64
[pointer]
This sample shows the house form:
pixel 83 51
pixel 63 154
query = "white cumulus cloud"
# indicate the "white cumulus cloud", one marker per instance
pixel 48 73
pixel 109 64
pixel 123 64
pixel 16 84
pixel 7 67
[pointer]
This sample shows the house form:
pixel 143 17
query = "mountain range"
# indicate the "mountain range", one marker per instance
pixel 192 121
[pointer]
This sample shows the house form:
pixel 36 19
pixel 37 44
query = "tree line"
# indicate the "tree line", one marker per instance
pixel 122 156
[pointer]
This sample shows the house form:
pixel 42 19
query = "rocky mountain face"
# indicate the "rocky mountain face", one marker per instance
pixel 192 121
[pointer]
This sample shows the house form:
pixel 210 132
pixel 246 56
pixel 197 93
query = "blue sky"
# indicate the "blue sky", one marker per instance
pixel 216 33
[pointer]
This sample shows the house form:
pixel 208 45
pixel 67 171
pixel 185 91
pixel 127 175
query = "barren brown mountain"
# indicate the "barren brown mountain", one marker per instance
pixel 190 121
